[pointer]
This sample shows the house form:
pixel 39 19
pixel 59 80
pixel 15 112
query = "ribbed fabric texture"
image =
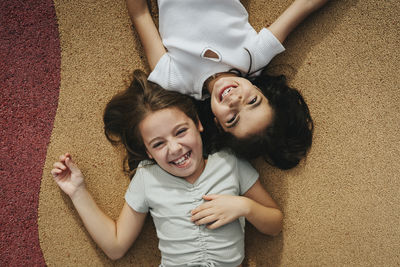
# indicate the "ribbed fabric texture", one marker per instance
pixel 170 200
pixel 190 27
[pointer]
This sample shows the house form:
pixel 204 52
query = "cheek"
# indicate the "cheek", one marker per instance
pixel 219 111
pixel 195 142
pixel 157 156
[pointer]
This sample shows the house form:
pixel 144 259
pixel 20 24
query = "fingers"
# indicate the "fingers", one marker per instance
pixel 210 197
pixel 65 156
pixel 55 172
pixel 212 221
pixel 201 214
pixel 215 225
pixel 205 205
pixel 205 219
pixel 71 165
pixel 60 166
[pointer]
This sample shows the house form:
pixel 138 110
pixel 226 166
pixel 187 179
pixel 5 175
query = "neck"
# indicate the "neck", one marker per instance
pixel 192 178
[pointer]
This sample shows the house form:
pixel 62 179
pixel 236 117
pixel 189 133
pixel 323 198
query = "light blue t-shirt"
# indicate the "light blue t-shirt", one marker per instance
pixel 170 200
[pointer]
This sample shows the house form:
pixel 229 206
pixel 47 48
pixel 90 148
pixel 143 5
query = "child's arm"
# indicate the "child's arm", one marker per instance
pixel 256 205
pixel 114 237
pixel 147 31
pixel 292 17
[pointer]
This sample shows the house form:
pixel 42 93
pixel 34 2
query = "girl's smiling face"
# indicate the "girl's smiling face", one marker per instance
pixel 173 140
pixel 239 107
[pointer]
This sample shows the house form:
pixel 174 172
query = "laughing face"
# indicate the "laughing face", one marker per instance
pixel 239 107
pixel 173 140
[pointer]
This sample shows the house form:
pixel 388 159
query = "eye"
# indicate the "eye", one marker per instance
pixel 252 101
pixel 158 144
pixel 181 131
pixel 231 119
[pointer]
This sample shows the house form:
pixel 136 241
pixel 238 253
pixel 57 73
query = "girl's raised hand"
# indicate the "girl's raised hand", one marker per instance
pixel 219 210
pixel 67 175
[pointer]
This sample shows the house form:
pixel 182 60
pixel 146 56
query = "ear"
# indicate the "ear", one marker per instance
pixel 148 154
pixel 216 121
pixel 200 126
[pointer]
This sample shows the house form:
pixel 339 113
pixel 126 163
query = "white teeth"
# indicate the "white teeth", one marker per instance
pixel 182 159
pixel 226 91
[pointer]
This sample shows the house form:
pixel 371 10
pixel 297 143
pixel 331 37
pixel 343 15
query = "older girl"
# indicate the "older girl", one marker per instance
pixel 201 42
pixel 195 201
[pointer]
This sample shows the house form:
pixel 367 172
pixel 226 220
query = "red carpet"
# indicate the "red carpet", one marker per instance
pixel 29 82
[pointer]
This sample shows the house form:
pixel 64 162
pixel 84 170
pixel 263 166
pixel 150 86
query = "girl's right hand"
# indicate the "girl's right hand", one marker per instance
pixel 67 175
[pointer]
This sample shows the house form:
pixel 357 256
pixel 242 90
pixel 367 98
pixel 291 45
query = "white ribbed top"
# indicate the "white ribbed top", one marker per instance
pixel 188 28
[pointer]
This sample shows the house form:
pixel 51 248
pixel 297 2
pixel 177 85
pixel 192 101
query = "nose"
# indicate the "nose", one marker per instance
pixel 234 100
pixel 174 147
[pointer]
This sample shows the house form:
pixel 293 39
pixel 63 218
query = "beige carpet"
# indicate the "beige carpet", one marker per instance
pixel 341 205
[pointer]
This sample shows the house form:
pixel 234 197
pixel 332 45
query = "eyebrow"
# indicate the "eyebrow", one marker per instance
pixel 238 116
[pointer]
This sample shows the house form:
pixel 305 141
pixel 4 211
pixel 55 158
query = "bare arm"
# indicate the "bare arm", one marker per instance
pixel 293 16
pixel 256 205
pixel 113 237
pixel 147 31
pixel 262 211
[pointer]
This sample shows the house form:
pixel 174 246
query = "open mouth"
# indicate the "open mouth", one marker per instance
pixel 225 91
pixel 182 161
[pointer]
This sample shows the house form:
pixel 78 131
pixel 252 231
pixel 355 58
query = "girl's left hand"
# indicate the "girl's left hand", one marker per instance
pixel 219 210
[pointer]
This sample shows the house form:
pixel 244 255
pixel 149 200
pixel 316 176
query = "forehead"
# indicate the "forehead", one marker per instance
pixel 164 119
pixel 253 121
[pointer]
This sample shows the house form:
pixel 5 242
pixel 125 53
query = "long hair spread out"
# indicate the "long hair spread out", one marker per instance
pixel 127 109
pixel 288 138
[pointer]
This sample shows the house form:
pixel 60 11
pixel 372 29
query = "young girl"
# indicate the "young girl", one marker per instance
pixel 201 42
pixel 195 202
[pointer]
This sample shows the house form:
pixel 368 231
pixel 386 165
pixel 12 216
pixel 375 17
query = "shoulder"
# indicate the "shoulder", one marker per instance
pixel 224 158
pixel 222 154
pixel 147 168
pixel 237 163
pixel 146 163
pixel 147 174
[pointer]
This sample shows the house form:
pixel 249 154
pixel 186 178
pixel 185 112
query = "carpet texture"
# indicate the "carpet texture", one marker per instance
pixel 342 203
pixel 29 82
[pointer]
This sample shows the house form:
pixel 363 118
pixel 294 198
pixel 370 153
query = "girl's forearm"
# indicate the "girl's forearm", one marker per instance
pixel 146 30
pixel 101 227
pixel 266 219
pixel 293 16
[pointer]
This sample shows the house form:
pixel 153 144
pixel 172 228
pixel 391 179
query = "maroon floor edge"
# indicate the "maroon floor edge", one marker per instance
pixel 29 84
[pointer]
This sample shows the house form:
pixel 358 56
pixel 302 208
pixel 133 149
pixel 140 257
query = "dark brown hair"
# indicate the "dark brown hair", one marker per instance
pixel 127 109
pixel 284 142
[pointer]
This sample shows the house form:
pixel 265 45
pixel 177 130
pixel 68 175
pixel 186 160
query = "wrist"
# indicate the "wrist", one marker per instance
pixel 246 204
pixel 78 193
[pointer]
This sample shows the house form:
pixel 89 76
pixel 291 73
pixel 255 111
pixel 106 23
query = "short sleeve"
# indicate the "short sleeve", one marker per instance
pixel 247 175
pixel 135 196
pixel 168 74
pixel 264 48
pixel 161 73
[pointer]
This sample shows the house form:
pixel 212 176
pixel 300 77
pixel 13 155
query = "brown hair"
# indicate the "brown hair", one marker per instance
pixel 288 138
pixel 127 109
